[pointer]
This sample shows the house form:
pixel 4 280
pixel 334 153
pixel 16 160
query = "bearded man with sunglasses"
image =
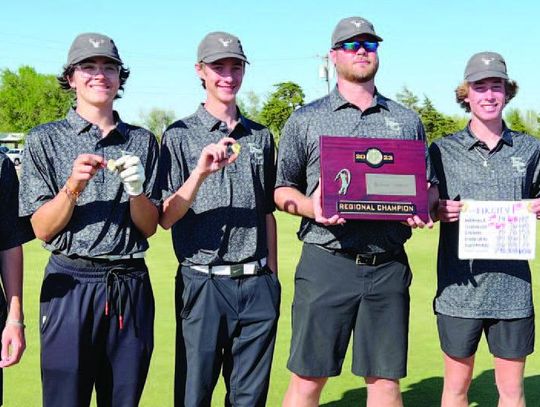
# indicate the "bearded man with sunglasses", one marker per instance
pixel 88 184
pixel 335 294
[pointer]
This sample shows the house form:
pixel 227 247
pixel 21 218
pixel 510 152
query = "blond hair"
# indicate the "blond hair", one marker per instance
pixel 462 91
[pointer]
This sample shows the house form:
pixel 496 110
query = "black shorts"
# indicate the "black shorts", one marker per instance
pixel 334 297
pixel 507 338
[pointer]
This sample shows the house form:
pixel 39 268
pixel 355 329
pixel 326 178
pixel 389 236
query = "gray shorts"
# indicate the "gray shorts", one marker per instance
pixel 335 297
pixel 507 338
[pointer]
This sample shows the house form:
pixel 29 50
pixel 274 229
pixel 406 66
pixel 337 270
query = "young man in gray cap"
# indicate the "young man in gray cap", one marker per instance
pixel 217 176
pixel 491 296
pixel 354 275
pixel 88 183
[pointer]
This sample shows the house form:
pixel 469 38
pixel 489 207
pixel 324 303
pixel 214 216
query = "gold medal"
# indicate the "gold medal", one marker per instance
pixel 233 149
pixel 111 165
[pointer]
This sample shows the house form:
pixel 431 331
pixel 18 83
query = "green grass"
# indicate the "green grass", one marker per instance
pixel 421 388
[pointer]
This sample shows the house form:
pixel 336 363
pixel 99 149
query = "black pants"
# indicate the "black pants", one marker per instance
pixel 83 344
pixel 229 323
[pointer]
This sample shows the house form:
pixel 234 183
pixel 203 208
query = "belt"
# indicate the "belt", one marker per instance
pixel 112 257
pixel 365 259
pixel 233 270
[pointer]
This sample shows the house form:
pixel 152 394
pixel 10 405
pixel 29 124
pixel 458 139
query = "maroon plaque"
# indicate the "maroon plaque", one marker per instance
pixel 371 178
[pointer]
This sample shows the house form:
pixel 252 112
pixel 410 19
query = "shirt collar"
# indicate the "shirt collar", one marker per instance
pixel 80 124
pixel 337 101
pixel 470 139
pixel 211 123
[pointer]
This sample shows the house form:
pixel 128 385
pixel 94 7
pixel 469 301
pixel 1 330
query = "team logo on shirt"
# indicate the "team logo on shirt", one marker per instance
pixel 392 124
pixel 518 164
pixel 96 43
pixel 256 153
pixel 225 43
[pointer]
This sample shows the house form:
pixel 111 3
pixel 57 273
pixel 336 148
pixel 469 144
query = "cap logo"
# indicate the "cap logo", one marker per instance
pixel 225 42
pixel 96 43
pixel 487 61
pixel 357 23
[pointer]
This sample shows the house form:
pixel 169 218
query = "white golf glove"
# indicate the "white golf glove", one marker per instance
pixel 132 174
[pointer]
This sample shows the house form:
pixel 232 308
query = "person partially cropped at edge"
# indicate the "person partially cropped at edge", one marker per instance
pixel 88 184
pixel 485 161
pixel 14 231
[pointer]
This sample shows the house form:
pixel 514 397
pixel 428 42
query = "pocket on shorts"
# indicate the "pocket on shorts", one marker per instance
pixel 407 272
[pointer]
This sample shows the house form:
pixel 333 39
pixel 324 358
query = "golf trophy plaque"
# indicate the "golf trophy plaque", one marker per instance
pixel 373 179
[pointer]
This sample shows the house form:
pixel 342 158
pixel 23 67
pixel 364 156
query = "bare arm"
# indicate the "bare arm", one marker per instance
pixel 291 200
pixel 144 214
pixel 271 242
pixel 13 341
pixel 213 158
pixel 176 206
pixel 54 215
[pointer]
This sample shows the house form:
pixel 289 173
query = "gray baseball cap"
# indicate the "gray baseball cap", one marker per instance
pixel 90 45
pixel 218 45
pixel 351 27
pixel 485 65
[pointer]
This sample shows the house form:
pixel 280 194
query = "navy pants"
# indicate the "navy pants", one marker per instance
pixel 83 344
pixel 224 323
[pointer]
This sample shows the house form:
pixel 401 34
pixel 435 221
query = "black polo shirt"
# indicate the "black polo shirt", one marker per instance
pixel 466 169
pixel 226 223
pixel 101 222
pixel 14 230
pixel 298 164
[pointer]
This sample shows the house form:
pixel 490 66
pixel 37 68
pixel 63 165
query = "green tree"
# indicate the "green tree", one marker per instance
pixel 287 97
pixel 461 121
pixel 514 120
pixel 28 98
pixel 531 120
pixel 408 99
pixel 436 123
pixel 157 120
pixel 250 105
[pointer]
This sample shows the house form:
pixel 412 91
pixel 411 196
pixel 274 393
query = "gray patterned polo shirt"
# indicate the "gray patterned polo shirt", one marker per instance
pixel 298 164
pixel 226 223
pixel 101 223
pixel 14 230
pixel 466 169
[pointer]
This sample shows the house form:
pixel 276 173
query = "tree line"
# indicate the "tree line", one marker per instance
pixel 28 98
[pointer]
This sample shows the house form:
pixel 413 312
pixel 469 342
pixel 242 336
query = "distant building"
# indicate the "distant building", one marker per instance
pixel 11 140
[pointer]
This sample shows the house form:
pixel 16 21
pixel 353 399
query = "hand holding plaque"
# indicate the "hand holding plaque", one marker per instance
pixel 375 179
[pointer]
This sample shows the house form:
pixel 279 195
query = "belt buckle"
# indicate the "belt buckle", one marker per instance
pixel 361 260
pixel 237 270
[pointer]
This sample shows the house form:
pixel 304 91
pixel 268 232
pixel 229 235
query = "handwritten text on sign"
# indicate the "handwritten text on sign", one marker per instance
pixel 497 230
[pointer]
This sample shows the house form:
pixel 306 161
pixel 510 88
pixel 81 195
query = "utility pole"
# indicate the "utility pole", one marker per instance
pixel 326 71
